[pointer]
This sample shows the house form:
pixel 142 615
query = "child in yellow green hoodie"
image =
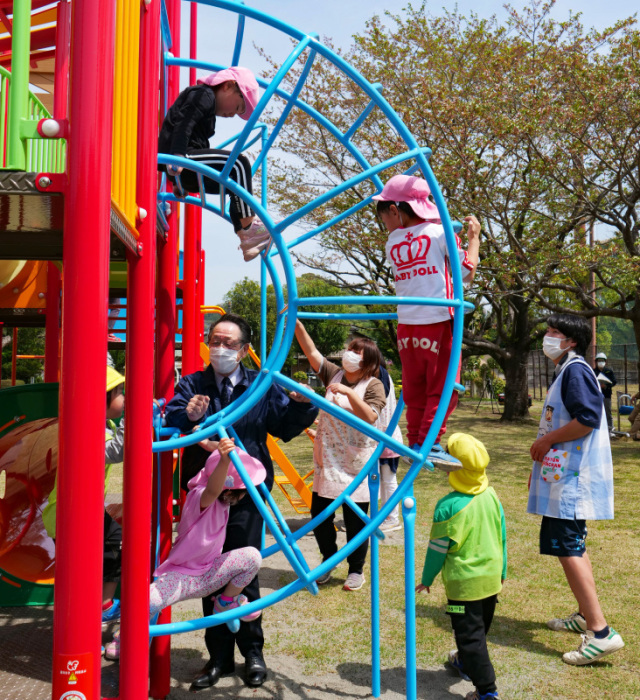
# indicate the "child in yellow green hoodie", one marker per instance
pixel 468 543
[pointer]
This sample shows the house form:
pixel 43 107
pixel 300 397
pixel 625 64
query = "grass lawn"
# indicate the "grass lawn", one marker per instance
pixel 333 628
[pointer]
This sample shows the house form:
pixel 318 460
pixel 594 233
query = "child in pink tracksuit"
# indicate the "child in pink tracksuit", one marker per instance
pixel 196 565
pixel 417 251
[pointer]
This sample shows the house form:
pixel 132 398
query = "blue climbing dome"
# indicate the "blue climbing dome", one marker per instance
pixel 308 50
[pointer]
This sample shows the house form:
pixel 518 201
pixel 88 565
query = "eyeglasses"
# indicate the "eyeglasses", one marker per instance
pixel 228 344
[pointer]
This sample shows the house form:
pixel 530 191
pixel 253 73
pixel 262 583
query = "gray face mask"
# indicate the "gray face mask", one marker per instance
pixel 224 360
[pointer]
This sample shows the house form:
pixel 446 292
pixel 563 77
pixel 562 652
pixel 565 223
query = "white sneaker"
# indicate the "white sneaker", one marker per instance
pixel 390 526
pixel 354 582
pixel 592 649
pixel 253 234
pixel 574 623
pixel 249 252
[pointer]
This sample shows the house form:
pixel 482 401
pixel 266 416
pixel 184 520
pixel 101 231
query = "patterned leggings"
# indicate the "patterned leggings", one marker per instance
pixel 239 567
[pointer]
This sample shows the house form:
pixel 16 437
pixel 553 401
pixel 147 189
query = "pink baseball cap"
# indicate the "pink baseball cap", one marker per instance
pixel 412 190
pixel 255 470
pixel 246 82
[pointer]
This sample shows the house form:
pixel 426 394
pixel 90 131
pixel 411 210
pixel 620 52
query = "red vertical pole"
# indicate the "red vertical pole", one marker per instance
pixel 134 631
pixel 14 353
pixel 52 324
pixel 160 658
pixel 191 244
pixel 77 599
pixel 189 295
pixel 201 295
pixel 61 76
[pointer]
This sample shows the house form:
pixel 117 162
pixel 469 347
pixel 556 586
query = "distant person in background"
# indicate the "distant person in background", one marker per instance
pixel 606 384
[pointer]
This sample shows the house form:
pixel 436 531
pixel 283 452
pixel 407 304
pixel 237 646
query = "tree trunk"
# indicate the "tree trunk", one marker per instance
pixel 516 393
pixel 636 332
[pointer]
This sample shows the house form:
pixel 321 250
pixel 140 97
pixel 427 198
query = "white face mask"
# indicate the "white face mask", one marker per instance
pixel 224 360
pixel 551 347
pixel 600 364
pixel 351 361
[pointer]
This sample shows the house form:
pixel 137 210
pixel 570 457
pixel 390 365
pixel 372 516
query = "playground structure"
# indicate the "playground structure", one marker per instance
pixel 80 186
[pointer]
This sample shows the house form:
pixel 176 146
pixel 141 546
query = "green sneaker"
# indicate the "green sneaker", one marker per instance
pixel 593 649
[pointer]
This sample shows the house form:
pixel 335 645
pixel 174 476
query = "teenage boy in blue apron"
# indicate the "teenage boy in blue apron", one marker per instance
pixel 572 480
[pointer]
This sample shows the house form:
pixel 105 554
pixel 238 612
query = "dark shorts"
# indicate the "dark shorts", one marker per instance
pixel 563 538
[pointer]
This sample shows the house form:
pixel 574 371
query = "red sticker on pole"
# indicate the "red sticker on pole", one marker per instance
pixel 72 676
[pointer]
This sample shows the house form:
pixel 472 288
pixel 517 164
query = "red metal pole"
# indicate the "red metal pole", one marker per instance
pixel 160 658
pixel 79 527
pixel 192 223
pixel 134 631
pixel 52 324
pixel 61 76
pixel 14 356
pixel 201 293
pixel 189 293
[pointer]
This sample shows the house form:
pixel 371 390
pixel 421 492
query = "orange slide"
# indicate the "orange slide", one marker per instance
pixel 28 464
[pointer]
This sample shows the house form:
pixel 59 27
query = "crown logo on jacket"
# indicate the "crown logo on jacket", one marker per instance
pixel 411 251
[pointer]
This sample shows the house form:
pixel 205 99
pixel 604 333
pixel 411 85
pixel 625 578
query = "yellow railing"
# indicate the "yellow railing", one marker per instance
pixel 125 109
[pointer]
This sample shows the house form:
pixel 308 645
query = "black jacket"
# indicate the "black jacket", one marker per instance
pixel 190 121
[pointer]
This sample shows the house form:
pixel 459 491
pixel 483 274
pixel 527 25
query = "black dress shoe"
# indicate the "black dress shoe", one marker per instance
pixel 210 675
pixel 255 670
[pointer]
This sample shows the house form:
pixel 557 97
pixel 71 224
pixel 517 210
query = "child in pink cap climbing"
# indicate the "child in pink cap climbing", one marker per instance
pixel 196 565
pixel 187 128
pixel 417 251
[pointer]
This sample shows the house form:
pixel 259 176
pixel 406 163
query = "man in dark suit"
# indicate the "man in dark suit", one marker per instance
pixel 198 396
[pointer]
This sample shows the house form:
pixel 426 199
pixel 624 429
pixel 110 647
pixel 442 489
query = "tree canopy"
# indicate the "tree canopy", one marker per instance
pixel 527 133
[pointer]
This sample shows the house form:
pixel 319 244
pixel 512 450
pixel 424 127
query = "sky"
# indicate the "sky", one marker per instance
pixel 337 20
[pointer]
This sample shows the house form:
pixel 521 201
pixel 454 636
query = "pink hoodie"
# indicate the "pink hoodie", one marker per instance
pixel 201 533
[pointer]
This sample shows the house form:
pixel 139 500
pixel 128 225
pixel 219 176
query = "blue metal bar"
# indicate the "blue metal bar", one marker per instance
pixel 314 114
pixel 239 36
pixel 256 494
pixel 365 113
pixel 165 27
pixel 264 181
pixel 260 126
pixel 359 512
pixel 345 416
pixel 374 489
pixel 409 518
pixel 263 312
pixel 349 301
pixel 342 498
pixel 317 316
pixel 288 537
pixel 350 183
pixel 263 102
pixel 288 107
